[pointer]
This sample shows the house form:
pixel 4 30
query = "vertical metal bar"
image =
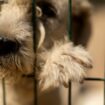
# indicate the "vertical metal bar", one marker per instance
pixel 4 91
pixel 70 36
pixel 34 47
pixel 70 19
pixel 104 78
pixel 70 94
pixel 104 87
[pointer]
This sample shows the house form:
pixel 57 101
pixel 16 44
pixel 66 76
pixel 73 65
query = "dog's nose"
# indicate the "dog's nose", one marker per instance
pixel 8 46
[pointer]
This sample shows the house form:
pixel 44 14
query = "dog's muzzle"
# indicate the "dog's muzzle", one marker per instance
pixel 8 46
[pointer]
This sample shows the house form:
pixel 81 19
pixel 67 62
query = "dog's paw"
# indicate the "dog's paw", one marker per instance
pixel 65 63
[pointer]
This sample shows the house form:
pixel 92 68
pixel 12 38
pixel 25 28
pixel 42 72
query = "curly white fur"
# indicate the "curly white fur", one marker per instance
pixel 65 62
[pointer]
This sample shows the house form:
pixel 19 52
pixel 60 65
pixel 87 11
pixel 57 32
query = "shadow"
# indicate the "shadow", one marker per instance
pixel 50 97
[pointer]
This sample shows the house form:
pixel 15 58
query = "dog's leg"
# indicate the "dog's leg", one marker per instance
pixel 64 63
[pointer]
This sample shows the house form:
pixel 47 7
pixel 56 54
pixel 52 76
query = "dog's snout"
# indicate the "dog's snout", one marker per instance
pixel 8 46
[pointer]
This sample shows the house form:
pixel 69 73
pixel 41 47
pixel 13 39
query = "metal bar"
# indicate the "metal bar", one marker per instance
pixel 70 19
pixel 34 47
pixel 95 79
pixel 104 87
pixel 87 79
pixel 70 37
pixel 4 92
pixel 104 77
pixel 70 94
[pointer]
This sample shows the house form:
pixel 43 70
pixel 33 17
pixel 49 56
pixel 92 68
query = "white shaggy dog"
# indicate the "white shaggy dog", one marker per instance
pixel 57 59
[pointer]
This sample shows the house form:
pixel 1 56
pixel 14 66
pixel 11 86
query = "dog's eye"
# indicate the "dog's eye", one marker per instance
pixel 48 10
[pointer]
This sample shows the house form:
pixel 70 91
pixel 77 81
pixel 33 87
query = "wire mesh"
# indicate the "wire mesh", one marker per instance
pixel 92 79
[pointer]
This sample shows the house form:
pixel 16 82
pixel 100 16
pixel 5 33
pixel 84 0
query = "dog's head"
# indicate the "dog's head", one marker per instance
pixel 16 32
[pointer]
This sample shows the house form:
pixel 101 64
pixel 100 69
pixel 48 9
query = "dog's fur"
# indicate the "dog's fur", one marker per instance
pixel 57 60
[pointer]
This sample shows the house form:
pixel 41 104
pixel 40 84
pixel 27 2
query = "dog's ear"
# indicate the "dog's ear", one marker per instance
pixel 81 24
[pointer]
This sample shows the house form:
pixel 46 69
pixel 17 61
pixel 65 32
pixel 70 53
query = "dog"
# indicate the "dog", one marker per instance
pixel 55 59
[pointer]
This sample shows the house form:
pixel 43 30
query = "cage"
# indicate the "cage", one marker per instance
pixel 90 79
